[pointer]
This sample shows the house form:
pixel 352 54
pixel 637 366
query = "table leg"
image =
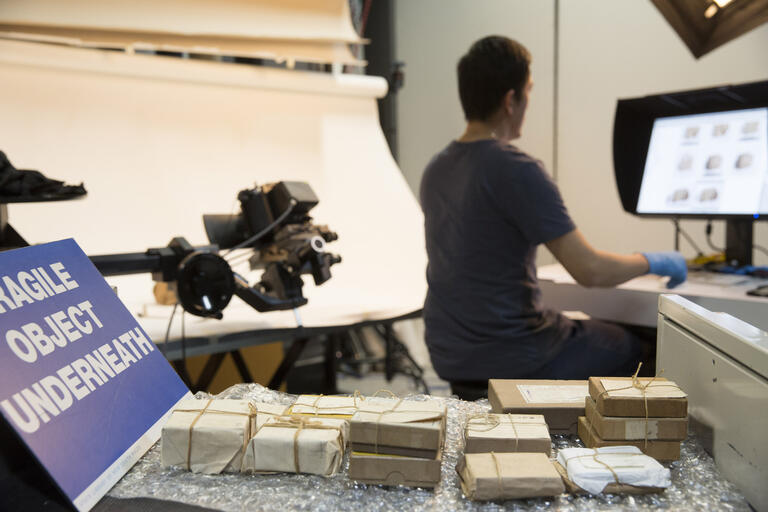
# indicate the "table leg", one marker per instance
pixel 289 360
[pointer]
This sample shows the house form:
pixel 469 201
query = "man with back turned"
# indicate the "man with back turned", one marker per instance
pixel 487 207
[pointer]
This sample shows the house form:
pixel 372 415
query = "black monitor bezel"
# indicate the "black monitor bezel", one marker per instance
pixel 633 124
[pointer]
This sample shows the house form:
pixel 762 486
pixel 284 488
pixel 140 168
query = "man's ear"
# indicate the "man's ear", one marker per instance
pixel 510 101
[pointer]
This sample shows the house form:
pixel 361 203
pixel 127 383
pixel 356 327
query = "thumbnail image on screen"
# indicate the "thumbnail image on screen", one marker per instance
pixel 707 164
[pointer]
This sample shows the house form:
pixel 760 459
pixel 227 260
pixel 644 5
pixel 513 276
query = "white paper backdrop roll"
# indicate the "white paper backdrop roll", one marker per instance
pixel 161 141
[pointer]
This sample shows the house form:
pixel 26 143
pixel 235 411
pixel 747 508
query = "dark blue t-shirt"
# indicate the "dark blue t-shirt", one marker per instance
pixel 486 208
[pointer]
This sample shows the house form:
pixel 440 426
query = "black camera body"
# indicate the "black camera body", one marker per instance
pixel 274 222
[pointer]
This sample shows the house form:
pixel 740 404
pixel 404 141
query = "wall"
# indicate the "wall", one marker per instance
pixel 631 51
pixel 430 37
pixel 607 50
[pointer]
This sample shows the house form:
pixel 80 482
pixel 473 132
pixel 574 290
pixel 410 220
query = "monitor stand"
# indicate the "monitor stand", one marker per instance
pixel 738 242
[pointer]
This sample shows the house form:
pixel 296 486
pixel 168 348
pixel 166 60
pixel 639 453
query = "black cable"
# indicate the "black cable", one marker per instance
pixel 708 231
pixel 699 252
pixel 168 330
pixel 266 230
pixel 760 248
pixel 182 369
pixel 183 344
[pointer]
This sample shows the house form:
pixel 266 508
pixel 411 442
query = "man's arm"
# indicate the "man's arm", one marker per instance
pixel 592 267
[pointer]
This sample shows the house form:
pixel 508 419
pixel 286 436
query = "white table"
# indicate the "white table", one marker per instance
pixel 636 302
pixel 332 309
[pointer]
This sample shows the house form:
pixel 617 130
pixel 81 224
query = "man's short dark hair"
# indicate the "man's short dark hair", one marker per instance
pixel 491 67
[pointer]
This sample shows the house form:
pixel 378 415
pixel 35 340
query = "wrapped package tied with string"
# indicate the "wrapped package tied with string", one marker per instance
pixel 561 402
pixel 323 406
pixel 297 444
pixel 398 427
pixel 613 470
pixel 658 449
pixel 382 469
pixel 210 436
pixel 502 433
pixel 638 397
pixel 503 476
pixel 628 428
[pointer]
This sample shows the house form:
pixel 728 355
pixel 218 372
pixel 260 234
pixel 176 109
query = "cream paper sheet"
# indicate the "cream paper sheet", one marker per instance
pixel 319 405
pixel 628 462
pixel 521 426
pixel 662 389
pixel 389 410
pixel 158 142
pixel 553 394
pixel 320 450
pixel 217 438
pixel 321 20
pixel 289 51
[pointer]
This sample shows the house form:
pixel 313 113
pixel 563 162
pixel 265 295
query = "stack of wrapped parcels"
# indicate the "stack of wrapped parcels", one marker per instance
pixel 648 413
pixel 397 442
pixel 506 456
pixel 504 433
pixel 211 436
pixel 311 439
pixel 214 436
pixel 561 402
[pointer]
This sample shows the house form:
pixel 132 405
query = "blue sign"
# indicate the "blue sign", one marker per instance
pixel 80 381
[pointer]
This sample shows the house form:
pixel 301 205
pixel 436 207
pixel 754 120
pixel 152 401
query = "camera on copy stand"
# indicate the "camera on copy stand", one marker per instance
pixel 274 227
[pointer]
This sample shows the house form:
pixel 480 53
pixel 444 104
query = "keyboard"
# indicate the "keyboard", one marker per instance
pixel 720 279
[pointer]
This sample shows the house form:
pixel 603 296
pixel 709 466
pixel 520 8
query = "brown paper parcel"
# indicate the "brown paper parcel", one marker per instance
pixel 502 433
pixel 297 444
pixel 209 436
pixel 561 402
pixel 398 427
pixel 617 428
pixel 638 397
pixel 378 469
pixel 659 450
pixel 502 476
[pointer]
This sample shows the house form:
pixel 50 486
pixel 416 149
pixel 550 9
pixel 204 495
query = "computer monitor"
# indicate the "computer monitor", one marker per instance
pixel 697 154
pixel 707 164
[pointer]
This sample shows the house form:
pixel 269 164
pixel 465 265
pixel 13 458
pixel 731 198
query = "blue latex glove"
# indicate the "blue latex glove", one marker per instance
pixel 670 264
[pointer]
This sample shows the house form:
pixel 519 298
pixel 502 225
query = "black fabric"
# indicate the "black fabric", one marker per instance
pixel 24 484
pixel 110 504
pixel 595 348
pixel 487 206
pixel 470 390
pixel 23 184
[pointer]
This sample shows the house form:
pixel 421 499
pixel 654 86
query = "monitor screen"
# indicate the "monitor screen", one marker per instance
pixel 707 164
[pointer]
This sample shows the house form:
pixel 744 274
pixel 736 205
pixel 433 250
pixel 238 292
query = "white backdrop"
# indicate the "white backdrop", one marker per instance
pixel 160 141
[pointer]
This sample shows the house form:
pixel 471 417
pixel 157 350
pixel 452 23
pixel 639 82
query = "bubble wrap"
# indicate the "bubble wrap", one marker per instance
pixel 696 483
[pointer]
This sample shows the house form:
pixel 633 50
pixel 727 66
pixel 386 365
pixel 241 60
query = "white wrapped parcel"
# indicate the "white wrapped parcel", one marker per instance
pixel 593 469
pixel 210 436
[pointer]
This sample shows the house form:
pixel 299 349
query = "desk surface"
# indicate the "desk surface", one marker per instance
pixel 636 301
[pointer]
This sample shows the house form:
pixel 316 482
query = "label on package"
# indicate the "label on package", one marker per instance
pixel 553 393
